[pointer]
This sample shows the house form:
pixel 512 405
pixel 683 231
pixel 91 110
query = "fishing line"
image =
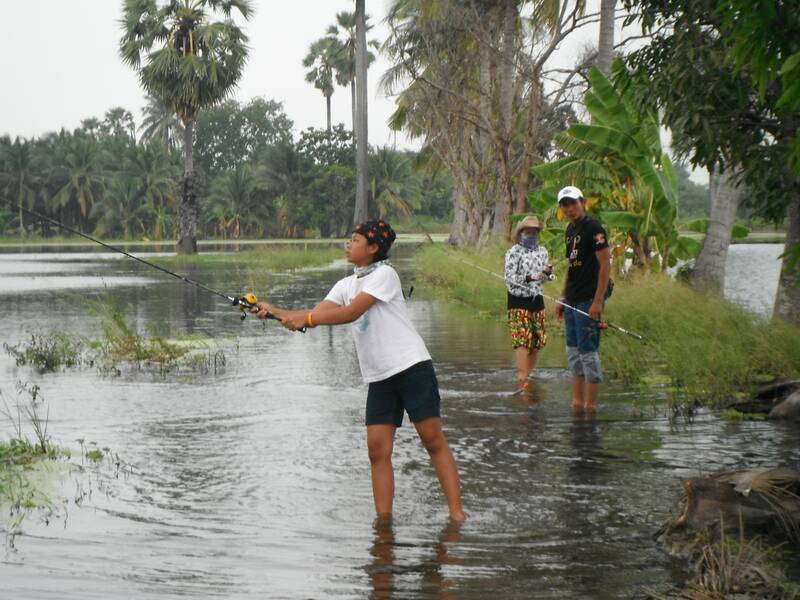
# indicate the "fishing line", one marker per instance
pixel 602 324
pixel 246 302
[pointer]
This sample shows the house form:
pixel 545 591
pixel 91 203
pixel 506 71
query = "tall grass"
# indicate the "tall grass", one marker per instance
pixel 707 350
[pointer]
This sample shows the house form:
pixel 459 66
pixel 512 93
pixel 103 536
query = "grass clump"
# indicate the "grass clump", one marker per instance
pixel 47 352
pixel 703 348
pixel 711 349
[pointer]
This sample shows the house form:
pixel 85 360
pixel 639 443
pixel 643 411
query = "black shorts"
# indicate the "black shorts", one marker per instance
pixel 414 390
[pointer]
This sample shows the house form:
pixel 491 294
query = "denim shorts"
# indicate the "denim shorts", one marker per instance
pixel 415 391
pixel 582 332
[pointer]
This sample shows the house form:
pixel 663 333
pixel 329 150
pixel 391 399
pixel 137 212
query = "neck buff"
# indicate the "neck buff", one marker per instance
pixel 367 269
pixel 529 241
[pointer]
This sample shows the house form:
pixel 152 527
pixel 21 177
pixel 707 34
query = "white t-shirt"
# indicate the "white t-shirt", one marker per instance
pixel 386 341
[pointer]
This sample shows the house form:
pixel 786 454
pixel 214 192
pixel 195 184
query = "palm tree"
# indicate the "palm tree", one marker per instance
pixel 605 45
pixel 116 212
pixel 394 190
pixel 190 62
pixel 232 195
pixel 345 32
pixel 161 123
pixel 90 126
pixel 322 57
pixel 150 165
pixel 18 177
pixel 119 122
pixel 80 169
pixel 361 132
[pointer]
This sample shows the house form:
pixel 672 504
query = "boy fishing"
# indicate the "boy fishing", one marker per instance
pixel 393 359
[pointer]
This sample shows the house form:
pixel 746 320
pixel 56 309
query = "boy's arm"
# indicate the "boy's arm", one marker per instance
pixel 326 312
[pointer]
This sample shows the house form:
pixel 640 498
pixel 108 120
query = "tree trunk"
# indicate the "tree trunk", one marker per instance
pixel 709 270
pixel 605 45
pixel 21 222
pixel 328 111
pixel 187 211
pixel 360 213
pixel 505 191
pixel 787 303
pixel 353 108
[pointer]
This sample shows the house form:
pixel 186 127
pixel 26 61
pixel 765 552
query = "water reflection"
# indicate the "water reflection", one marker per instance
pixel 386 568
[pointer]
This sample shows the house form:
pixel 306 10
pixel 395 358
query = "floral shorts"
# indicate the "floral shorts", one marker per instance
pixel 527 329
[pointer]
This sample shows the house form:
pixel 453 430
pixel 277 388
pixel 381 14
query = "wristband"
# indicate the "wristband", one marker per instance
pixel 310 320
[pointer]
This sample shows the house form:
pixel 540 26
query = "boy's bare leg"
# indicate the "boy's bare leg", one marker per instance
pixel 590 393
pixel 380 442
pixel 432 436
pixel 578 389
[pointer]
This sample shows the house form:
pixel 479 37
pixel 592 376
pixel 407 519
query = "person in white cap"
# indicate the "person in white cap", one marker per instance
pixel 584 288
pixel 526 269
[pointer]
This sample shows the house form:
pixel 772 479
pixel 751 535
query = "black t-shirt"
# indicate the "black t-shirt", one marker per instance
pixel 584 238
pixel 534 304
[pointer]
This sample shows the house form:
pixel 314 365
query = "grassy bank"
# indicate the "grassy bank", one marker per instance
pixel 704 348
pixel 276 258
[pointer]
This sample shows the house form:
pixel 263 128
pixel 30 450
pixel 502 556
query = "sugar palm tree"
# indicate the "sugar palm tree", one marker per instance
pixel 322 58
pixel 190 61
pixel 118 122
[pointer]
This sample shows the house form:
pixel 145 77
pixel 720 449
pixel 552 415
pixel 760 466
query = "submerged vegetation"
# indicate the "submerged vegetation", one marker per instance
pixel 707 350
pixel 31 465
pixel 119 345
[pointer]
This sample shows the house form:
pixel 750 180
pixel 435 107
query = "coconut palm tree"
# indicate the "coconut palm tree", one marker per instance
pixel 151 166
pixel 115 214
pixel 345 32
pixel 190 61
pixel 79 169
pixel 323 56
pixel 161 123
pixel 18 179
pixel 393 188
pixel 232 195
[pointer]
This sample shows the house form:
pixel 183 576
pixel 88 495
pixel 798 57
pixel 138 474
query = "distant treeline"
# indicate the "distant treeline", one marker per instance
pixel 258 179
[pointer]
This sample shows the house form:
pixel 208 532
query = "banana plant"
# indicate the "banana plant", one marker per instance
pixel 627 179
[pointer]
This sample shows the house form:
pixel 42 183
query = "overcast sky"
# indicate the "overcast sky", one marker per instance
pixel 60 64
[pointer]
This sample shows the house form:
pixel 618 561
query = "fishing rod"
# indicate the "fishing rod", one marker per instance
pixel 245 303
pixel 602 324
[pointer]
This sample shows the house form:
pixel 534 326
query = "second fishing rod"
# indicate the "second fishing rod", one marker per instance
pixel 245 303
pixel 601 324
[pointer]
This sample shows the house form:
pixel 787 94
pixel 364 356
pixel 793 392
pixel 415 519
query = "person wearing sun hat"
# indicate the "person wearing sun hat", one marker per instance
pixel 585 286
pixel 526 269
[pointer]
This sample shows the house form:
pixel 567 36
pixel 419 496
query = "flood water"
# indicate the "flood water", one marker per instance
pixel 254 482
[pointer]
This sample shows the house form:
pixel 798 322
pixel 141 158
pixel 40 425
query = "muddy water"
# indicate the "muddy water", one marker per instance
pixel 254 483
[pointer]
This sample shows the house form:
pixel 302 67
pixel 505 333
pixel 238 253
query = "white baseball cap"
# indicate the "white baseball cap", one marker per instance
pixel 569 193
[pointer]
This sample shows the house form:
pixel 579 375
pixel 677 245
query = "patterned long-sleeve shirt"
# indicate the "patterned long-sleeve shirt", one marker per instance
pixel 521 262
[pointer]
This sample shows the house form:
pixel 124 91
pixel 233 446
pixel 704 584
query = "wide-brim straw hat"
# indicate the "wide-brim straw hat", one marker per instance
pixel 532 222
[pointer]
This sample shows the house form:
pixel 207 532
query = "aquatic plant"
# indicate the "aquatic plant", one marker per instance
pixel 47 352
